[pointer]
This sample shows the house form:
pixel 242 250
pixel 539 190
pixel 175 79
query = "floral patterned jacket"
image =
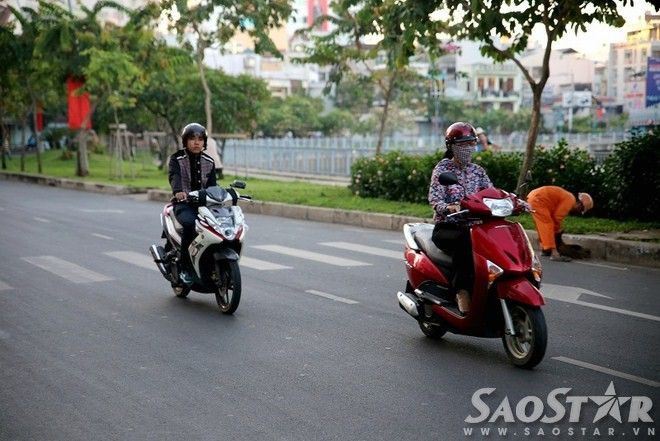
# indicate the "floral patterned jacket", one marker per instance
pixel 473 177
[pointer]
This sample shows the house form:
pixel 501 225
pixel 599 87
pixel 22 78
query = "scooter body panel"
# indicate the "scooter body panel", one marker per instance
pixel 520 290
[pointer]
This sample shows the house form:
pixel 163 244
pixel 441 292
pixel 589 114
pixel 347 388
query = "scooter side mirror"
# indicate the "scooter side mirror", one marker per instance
pixel 447 178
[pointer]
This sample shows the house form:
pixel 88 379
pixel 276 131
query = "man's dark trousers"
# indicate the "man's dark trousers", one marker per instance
pixel 186 215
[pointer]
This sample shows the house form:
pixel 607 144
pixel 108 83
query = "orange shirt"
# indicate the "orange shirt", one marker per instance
pixel 551 204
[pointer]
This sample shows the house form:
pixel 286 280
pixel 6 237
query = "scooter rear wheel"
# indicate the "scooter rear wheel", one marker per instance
pixel 527 348
pixel 432 330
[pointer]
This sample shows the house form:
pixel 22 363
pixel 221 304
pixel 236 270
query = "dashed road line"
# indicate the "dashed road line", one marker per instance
pixel 262 265
pixel 608 371
pixel 309 255
pixel 331 297
pixel 138 259
pixel 382 252
pixel 68 270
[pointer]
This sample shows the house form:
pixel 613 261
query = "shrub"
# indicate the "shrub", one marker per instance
pixel 632 187
pixel 502 168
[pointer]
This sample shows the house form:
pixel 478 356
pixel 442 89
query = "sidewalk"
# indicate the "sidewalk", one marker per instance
pixel 626 248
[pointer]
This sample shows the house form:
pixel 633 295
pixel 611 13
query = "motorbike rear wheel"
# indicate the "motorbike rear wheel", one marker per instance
pixel 432 330
pixel 527 348
pixel 227 276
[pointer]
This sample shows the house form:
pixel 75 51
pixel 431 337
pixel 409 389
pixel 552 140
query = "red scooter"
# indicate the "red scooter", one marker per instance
pixel 505 297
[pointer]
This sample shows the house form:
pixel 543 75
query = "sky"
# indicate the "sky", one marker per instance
pixel 595 42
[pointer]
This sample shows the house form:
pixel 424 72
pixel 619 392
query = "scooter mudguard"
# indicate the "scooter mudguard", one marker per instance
pixel 225 254
pixel 520 290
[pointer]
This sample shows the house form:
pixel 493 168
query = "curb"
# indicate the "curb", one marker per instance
pixel 602 248
pixel 70 183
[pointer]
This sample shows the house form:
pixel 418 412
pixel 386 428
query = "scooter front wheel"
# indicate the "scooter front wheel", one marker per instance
pixel 228 282
pixel 527 348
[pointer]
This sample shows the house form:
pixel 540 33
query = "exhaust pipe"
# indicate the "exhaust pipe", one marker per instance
pixel 407 303
pixel 158 254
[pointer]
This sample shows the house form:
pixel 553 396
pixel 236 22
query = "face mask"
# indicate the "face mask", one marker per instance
pixel 463 154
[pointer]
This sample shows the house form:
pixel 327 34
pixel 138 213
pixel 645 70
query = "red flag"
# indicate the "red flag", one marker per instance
pixel 78 104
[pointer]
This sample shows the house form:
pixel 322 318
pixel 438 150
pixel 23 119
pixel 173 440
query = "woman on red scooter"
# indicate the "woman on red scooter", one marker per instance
pixel 461 142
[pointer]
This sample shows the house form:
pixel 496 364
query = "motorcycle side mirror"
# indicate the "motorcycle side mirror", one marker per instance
pixel 447 178
pixel 237 184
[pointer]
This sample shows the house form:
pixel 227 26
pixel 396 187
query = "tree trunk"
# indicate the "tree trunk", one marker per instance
pixel 82 159
pixel 4 142
pixel 37 134
pixel 532 135
pixel 24 143
pixel 383 118
pixel 207 91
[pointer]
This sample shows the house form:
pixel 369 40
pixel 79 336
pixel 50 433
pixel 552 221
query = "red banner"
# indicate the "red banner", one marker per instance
pixel 78 104
pixel 315 9
pixel 40 118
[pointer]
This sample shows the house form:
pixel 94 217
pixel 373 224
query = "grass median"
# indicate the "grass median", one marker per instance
pixel 143 173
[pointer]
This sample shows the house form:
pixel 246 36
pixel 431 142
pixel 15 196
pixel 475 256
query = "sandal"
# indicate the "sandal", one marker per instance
pixel 560 258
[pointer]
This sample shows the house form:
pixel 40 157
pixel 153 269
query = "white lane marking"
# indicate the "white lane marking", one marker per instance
pixel 4 286
pixel 70 271
pixel 567 293
pixel 41 219
pixel 309 255
pixel 100 210
pixel 602 265
pixel 331 297
pixel 251 262
pixel 138 259
pixel 570 294
pixel 102 236
pixel 382 252
pixel 607 371
pixel 395 241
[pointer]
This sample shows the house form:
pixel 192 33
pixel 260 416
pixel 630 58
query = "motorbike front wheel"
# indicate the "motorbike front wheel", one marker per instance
pixel 228 281
pixel 527 348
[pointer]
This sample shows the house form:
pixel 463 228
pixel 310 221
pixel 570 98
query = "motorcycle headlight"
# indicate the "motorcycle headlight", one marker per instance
pixel 499 207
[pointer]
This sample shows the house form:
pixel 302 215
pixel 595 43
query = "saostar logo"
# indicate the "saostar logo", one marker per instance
pixel 532 409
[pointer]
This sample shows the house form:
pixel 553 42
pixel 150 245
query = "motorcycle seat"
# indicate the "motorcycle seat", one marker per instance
pixel 422 238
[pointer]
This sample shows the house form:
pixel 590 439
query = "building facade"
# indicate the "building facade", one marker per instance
pixel 626 70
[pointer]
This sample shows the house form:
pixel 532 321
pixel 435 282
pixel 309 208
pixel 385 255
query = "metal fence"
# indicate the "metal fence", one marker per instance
pixel 334 156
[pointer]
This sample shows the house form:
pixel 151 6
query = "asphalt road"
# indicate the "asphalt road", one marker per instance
pixel 94 345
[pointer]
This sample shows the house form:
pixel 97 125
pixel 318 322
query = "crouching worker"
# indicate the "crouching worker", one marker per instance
pixel 550 205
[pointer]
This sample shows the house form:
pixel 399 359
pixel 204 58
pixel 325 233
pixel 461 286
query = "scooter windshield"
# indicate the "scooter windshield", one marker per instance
pixel 216 194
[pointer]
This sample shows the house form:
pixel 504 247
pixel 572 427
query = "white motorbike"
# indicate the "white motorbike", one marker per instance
pixel 220 229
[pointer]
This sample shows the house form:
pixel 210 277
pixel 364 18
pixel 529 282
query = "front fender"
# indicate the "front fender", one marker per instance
pixel 520 290
pixel 225 254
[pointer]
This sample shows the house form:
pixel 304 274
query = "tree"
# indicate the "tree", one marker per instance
pixel 217 21
pixel 32 73
pixel 65 41
pixel 384 62
pixel 493 21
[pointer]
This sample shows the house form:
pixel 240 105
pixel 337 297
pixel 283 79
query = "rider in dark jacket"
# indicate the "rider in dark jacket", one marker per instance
pixel 190 169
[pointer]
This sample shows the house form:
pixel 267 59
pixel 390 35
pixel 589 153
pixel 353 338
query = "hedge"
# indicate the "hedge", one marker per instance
pixel 625 186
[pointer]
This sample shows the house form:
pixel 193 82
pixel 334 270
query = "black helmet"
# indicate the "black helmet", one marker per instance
pixel 193 129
